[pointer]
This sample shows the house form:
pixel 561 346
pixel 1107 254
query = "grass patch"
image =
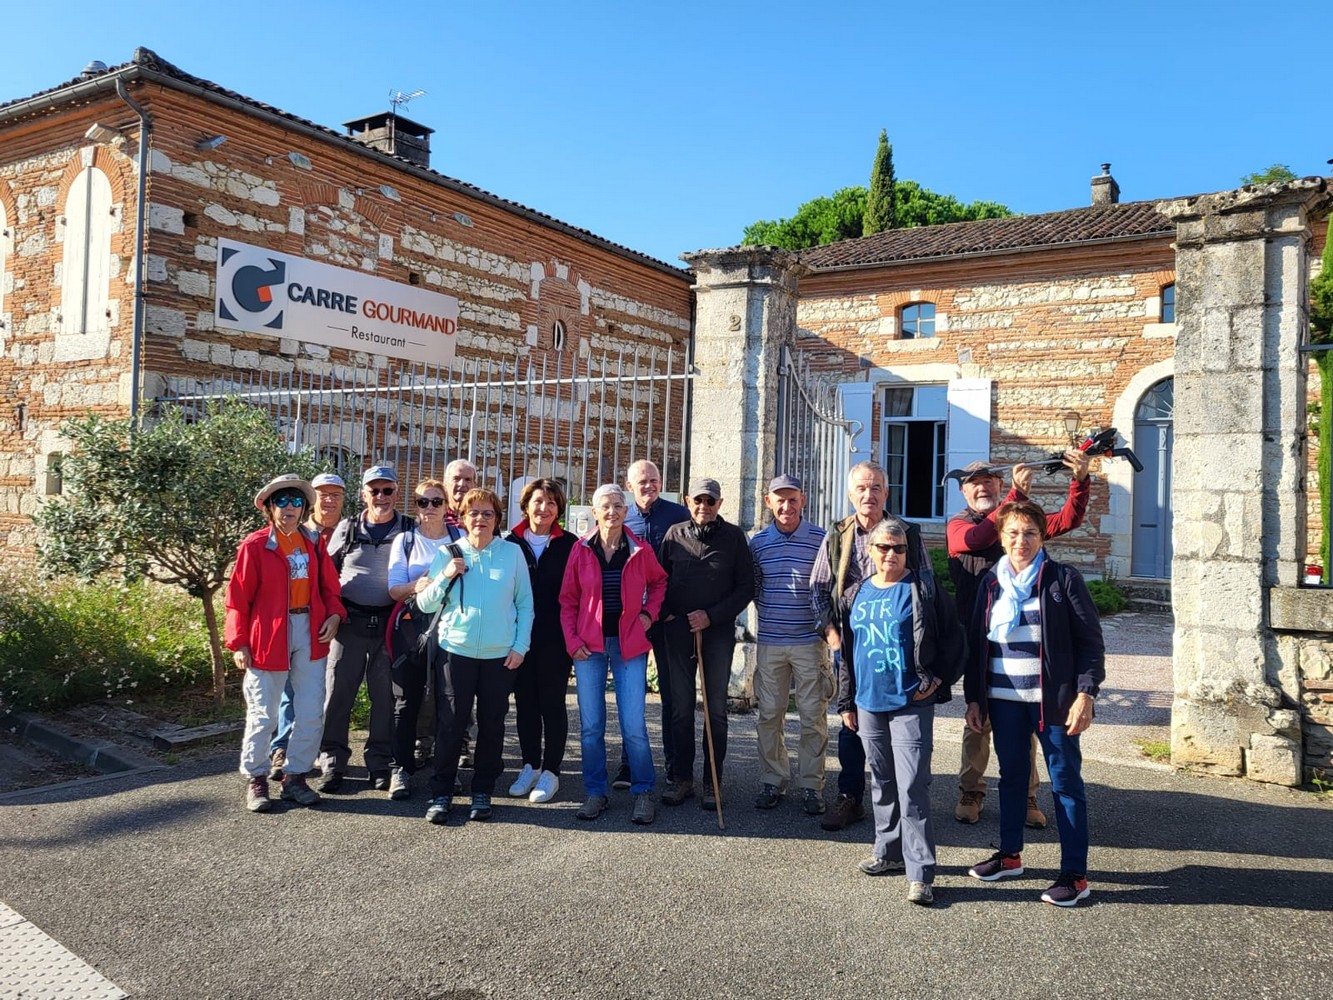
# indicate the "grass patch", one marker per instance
pixel 1155 750
pixel 1108 596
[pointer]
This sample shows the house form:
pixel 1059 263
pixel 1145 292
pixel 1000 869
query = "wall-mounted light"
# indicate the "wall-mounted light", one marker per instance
pixel 1072 422
pixel 462 220
pixel 209 144
pixel 390 193
pixel 300 160
pixel 97 132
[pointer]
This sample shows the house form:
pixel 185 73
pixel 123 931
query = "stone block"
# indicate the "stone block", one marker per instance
pixel 248 360
pixel 195 350
pixel 194 283
pixel 166 219
pixel 157 268
pixel 1205 735
pixel 1285 722
pixel 168 322
pixel 220 214
pixel 265 195
pixel 1274 759
pixel 740 688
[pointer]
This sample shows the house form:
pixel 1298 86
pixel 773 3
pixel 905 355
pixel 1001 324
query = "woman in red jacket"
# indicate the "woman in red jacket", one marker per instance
pixel 282 610
pixel 612 592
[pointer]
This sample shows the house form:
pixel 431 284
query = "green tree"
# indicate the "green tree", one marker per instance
pixel 816 223
pixel 1278 173
pixel 170 501
pixel 920 206
pixel 1321 332
pixel 882 202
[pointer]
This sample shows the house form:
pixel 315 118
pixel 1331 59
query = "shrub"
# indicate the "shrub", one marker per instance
pixel 939 563
pixel 1108 596
pixel 65 642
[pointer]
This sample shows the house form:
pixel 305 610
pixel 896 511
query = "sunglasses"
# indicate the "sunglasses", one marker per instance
pixel 898 549
pixel 289 501
pixel 705 500
pixel 385 491
pixel 424 502
pixel 485 515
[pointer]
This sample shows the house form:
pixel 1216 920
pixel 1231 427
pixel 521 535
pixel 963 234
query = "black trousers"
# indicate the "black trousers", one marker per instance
pixel 540 685
pixel 719 642
pixel 409 693
pixel 461 682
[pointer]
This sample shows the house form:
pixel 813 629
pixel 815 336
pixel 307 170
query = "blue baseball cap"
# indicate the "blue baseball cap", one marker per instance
pixel 379 472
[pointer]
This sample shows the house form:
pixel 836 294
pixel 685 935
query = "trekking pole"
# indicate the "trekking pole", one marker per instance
pixel 708 728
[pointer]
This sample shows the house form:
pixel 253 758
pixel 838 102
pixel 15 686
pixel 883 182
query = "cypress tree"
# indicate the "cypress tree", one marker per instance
pixel 882 203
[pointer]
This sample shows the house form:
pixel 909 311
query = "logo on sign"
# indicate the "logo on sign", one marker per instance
pixel 246 280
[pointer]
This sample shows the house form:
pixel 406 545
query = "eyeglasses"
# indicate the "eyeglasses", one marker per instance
pixel 289 501
pixel 898 549
pixel 484 515
pixel 424 502
pixel 381 491
pixel 706 500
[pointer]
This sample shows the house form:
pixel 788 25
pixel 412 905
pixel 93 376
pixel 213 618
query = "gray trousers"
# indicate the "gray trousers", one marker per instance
pixel 354 657
pixel 898 747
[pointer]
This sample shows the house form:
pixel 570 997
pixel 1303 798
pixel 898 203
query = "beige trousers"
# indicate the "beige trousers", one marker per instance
pixel 775 669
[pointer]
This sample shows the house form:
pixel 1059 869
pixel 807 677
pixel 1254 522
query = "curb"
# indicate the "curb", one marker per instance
pixel 100 756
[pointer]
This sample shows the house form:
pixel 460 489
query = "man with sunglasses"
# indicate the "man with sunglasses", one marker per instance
pixel 710 580
pixel 360 549
pixel 974 548
pixel 843 560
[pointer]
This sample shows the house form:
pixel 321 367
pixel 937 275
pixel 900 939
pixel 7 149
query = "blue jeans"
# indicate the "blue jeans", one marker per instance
pixel 1013 723
pixel 631 681
pixel 286 719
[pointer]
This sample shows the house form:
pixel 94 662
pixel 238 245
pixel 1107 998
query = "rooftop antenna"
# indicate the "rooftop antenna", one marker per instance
pixel 398 99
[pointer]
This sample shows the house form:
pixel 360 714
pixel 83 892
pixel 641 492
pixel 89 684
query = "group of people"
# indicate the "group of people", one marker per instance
pixel 443 617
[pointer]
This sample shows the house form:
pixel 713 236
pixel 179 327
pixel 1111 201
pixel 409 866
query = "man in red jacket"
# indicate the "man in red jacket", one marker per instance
pixel 283 608
pixel 974 547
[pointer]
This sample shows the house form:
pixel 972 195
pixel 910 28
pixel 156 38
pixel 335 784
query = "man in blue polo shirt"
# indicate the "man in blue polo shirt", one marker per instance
pixel 790 645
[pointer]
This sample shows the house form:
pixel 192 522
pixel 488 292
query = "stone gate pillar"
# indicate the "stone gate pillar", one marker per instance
pixel 745 311
pixel 1238 471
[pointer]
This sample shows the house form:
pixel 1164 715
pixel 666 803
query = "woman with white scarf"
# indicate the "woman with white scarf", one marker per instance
pixel 1037 665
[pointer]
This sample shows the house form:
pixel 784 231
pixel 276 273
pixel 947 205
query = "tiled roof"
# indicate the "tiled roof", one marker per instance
pixel 1095 224
pixel 149 61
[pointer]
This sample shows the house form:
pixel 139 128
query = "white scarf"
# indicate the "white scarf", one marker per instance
pixel 1015 590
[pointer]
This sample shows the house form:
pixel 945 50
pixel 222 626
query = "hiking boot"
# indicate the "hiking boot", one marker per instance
pixel 921 893
pixel 548 783
pixel 592 808
pixel 379 780
pixel 256 795
pixel 644 810
pixel 481 807
pixel 1036 819
pixel 331 783
pixel 423 753
pixel 874 865
pixel 768 797
pixel 812 802
pixel 400 784
pixel 524 783
pixel 677 792
pixel 708 799
pixel 277 764
pixel 999 865
pixel 846 811
pixel 968 809
pixel 1067 890
pixel 622 779
pixel 295 789
pixel 438 810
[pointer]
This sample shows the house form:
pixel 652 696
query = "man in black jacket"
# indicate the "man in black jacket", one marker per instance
pixel 710 580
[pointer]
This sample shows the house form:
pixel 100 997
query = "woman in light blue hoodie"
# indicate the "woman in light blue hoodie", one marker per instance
pixel 484 631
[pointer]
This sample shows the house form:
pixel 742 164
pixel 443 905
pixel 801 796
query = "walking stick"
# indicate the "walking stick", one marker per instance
pixel 708 728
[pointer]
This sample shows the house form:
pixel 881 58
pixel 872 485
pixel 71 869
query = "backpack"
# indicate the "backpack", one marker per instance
pixel 408 636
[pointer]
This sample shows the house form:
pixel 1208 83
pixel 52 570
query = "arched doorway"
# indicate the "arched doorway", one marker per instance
pixel 1153 419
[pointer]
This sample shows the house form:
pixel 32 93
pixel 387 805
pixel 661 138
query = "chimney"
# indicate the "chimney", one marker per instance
pixel 1105 191
pixel 392 133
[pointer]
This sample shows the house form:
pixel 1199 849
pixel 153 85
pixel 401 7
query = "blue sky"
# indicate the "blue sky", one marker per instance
pixel 669 131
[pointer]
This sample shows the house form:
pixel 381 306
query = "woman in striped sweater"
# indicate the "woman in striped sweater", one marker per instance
pixel 1038 662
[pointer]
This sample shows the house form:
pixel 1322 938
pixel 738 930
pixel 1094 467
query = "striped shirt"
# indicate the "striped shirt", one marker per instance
pixel 1015 659
pixel 612 600
pixel 782 567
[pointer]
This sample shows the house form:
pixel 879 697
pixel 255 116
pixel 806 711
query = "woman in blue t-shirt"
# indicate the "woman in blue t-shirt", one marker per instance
pixel 901 646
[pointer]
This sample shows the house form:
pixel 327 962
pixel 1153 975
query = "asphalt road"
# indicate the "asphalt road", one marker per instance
pixel 1202 887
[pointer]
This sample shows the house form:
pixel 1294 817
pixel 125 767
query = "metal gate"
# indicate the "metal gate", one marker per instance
pixel 550 413
pixel 814 441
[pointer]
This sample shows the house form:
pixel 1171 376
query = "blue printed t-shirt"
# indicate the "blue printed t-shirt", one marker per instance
pixel 881 621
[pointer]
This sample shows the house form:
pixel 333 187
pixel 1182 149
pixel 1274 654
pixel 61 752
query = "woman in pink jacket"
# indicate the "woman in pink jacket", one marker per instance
pixel 612 592
pixel 282 609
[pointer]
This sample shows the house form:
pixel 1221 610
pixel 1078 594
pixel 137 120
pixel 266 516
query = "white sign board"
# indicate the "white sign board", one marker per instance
pixel 263 291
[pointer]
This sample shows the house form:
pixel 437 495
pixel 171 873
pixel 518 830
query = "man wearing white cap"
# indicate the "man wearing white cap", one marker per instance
pixel 360 548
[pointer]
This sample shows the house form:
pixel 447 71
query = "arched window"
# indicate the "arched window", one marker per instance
pixel 1169 303
pixel 86 263
pixel 917 321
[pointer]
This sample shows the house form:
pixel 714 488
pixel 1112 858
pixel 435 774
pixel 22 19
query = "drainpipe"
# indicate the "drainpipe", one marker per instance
pixel 140 219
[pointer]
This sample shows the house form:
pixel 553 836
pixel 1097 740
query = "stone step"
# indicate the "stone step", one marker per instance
pixel 1146 594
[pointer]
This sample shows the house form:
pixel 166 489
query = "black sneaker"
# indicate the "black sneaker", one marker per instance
pixel 1067 890
pixel 769 796
pixel 622 779
pixel 481 807
pixel 999 865
pixel 331 783
pixel 438 810
pixel 846 811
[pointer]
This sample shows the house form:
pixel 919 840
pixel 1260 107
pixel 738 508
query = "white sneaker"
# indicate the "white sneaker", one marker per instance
pixel 547 785
pixel 524 782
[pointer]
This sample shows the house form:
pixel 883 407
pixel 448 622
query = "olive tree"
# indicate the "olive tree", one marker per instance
pixel 169 501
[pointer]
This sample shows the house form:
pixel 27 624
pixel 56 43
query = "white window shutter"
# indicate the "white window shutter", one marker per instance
pixel 74 259
pixel 99 254
pixel 969 431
